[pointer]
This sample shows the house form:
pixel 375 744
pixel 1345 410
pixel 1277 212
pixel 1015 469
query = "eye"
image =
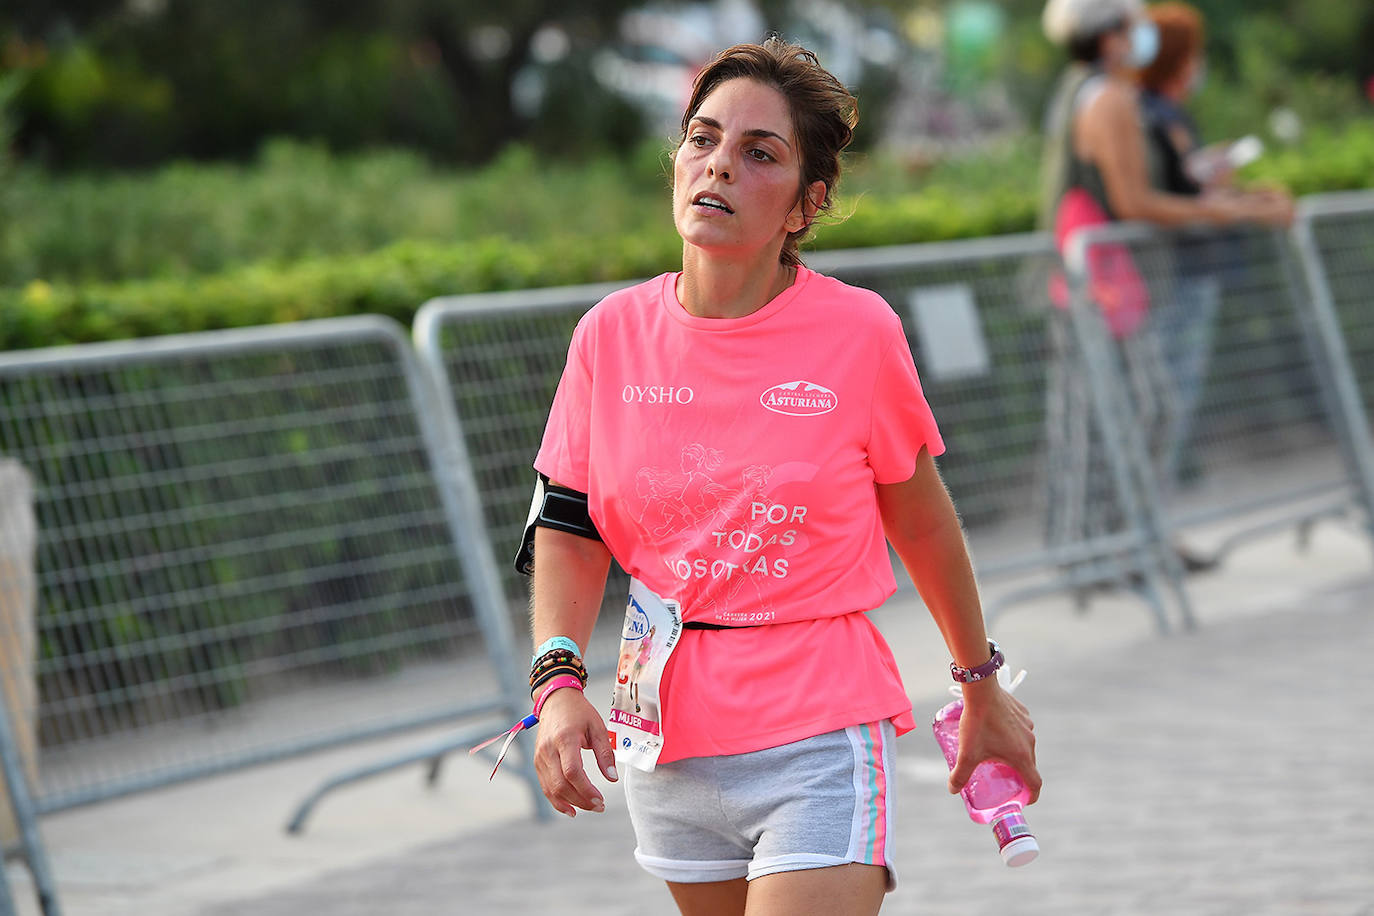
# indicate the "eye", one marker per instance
pixel 762 155
pixel 698 140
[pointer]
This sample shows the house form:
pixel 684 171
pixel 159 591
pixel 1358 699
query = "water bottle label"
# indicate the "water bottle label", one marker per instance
pixel 1009 828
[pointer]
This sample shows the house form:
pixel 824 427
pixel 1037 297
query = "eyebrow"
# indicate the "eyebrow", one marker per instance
pixel 756 132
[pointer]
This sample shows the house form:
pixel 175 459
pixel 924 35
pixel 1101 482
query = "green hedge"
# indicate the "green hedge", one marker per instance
pixel 393 281
pixel 396 279
pixel 299 201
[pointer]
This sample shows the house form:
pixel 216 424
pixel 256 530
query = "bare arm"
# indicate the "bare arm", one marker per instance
pixel 569 580
pixel 1107 133
pixel 922 526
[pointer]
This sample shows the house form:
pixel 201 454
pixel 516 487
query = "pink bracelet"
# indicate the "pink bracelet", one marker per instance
pixel 530 721
pixel 563 680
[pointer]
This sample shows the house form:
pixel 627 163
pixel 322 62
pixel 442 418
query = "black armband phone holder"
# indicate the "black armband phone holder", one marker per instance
pixel 559 508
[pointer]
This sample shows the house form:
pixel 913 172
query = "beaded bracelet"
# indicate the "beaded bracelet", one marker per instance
pixel 986 669
pixel 561 660
pixel 557 662
pixel 555 657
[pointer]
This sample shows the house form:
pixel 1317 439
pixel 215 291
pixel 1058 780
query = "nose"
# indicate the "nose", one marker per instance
pixel 719 165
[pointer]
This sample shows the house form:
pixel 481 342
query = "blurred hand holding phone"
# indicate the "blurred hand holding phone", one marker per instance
pixel 1213 164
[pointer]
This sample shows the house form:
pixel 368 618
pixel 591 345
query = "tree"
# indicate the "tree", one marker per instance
pixel 481 46
pixel 235 72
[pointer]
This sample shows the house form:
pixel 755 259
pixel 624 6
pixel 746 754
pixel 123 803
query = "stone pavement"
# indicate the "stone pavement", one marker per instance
pixel 1222 771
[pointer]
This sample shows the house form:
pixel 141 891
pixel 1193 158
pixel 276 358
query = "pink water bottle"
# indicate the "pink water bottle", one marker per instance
pixel 995 793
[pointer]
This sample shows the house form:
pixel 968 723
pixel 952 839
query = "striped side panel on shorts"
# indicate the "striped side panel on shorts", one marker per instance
pixel 868 841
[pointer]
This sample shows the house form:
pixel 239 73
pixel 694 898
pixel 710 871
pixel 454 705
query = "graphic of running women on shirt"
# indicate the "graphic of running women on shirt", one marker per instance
pixel 732 515
pixel 698 521
pixel 673 502
pixel 646 651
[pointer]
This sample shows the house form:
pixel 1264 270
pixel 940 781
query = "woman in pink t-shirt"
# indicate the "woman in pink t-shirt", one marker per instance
pixel 745 437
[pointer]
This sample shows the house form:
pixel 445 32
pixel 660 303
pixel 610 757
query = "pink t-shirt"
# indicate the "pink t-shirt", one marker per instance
pixel 730 464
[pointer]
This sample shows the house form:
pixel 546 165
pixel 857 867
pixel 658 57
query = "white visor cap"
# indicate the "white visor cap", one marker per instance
pixel 1064 20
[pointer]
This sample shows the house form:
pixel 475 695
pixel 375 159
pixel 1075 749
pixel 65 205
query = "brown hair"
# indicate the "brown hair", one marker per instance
pixel 1181 37
pixel 823 111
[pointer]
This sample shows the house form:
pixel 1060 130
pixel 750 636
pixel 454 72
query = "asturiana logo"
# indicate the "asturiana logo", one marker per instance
pixel 799 399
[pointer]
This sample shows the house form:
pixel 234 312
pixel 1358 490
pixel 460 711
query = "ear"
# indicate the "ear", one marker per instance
pixel 806 208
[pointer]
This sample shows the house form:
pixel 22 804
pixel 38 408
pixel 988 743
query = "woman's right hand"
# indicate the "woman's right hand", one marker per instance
pixel 568 725
pixel 1276 207
pixel 1267 207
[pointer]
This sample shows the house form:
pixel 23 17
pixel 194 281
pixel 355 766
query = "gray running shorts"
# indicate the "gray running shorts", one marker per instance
pixel 814 803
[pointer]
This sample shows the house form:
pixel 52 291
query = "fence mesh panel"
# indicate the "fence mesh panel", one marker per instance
pixel 1226 387
pixel 984 331
pixel 1345 242
pixel 979 323
pixel 501 358
pixel 241 552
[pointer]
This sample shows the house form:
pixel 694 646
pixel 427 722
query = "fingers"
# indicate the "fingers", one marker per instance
pixel 563 778
pixel 1005 733
pixel 600 743
pixel 1033 783
pixel 963 769
pixel 558 759
pixel 1030 773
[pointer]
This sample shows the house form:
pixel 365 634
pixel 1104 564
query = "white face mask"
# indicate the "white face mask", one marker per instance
pixel 1144 44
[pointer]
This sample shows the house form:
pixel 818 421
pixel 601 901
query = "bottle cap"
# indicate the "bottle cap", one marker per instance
pixel 1020 851
pixel 1014 839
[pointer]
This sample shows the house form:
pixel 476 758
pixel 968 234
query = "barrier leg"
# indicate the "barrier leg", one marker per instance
pixel 6 899
pixel 21 804
pixel 1356 439
pixel 1158 566
pixel 433 754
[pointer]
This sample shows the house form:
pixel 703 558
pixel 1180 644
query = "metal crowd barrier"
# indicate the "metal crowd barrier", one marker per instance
pixel 499 357
pixel 20 806
pixel 985 319
pixel 1239 420
pixel 252 544
pixel 247 539
pixel 1335 236
pixel 982 350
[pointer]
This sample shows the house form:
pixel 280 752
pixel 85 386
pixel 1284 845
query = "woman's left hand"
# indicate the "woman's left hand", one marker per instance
pixel 995 726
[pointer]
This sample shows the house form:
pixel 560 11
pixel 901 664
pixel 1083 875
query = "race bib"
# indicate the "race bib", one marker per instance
pixel 652 627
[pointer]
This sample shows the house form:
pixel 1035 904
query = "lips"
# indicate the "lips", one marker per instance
pixel 712 202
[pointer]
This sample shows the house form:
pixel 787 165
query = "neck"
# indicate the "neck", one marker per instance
pixel 1119 69
pixel 714 288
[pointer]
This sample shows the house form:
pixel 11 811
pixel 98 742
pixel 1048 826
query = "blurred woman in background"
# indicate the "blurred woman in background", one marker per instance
pixel 1185 322
pixel 1095 132
pixel 1102 165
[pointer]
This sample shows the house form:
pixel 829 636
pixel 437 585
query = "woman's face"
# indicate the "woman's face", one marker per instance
pixel 737 175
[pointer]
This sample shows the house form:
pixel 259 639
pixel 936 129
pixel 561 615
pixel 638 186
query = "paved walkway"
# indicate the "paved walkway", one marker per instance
pixel 1224 771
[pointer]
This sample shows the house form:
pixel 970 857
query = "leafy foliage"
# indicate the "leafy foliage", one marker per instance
pixel 519 224
pixel 299 202
pixel 115 85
